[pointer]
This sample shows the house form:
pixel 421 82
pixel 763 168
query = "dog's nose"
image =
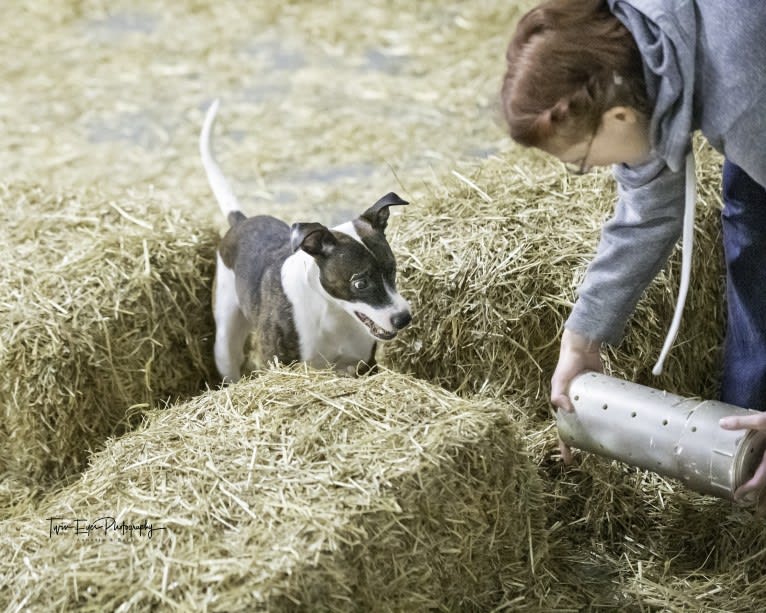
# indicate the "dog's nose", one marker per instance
pixel 401 320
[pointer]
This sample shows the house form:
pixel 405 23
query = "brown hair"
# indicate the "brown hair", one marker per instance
pixel 568 62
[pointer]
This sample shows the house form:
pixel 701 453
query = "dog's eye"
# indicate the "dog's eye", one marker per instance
pixel 360 284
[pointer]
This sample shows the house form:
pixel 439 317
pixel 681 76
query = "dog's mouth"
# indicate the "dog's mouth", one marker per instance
pixel 375 329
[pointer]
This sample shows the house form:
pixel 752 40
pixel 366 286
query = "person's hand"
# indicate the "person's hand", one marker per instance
pixel 758 480
pixel 577 354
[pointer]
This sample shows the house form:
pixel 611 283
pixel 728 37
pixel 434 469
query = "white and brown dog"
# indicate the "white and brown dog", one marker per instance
pixel 309 293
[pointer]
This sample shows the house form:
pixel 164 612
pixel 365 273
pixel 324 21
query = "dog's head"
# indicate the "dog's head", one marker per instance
pixel 357 268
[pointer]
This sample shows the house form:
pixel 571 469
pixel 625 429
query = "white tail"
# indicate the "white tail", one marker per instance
pixel 218 183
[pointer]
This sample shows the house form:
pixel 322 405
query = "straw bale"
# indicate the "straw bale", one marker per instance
pixel 629 540
pixel 104 311
pixel 295 490
pixel 491 266
pixel 491 263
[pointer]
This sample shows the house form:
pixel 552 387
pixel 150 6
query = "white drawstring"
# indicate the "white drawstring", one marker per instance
pixel 686 260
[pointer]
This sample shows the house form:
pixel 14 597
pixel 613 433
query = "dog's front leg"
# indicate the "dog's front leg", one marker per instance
pixel 231 325
pixel 357 368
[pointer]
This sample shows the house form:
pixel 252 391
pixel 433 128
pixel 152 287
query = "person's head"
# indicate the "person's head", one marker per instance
pixel 574 85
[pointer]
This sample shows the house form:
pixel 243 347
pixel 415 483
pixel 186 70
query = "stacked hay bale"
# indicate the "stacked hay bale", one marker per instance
pixel 295 491
pixel 298 490
pixel 491 265
pixel 104 311
pixel 624 539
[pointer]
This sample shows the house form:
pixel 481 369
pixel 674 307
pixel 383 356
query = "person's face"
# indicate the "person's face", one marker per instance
pixel 622 137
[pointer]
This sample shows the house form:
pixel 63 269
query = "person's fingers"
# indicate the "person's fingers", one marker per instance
pixel 559 388
pixel 561 401
pixel 755 483
pixel 742 422
pixel 566 452
pixel 760 509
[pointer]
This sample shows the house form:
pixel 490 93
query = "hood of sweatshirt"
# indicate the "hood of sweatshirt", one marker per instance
pixel 666 39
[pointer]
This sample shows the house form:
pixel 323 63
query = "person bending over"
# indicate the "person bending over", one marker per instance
pixel 626 83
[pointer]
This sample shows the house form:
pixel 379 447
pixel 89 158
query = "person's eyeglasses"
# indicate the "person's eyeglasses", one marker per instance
pixel 581 167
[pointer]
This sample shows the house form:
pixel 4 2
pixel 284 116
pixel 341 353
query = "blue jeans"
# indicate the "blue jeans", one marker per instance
pixel 744 242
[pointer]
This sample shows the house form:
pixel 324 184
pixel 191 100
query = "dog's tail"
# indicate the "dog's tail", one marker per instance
pixel 218 183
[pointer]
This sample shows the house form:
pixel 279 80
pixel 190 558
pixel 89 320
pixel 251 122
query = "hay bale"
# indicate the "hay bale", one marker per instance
pixel 622 539
pixel 104 311
pixel 491 264
pixel 296 491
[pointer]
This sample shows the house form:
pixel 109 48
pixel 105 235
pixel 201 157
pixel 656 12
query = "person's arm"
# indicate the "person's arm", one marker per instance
pixel 577 354
pixel 635 244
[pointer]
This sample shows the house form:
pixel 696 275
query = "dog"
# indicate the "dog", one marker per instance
pixel 307 292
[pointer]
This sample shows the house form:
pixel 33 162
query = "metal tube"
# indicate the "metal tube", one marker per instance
pixel 668 434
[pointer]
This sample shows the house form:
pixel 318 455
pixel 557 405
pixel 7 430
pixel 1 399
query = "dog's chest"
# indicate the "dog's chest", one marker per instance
pixel 330 336
pixel 326 333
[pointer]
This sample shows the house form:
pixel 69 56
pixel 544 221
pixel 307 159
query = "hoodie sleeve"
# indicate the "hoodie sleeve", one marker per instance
pixel 635 244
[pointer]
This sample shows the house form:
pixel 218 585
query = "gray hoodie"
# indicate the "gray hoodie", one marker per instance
pixel 705 68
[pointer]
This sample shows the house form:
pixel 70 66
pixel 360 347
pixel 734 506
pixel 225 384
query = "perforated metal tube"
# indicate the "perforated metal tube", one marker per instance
pixel 668 434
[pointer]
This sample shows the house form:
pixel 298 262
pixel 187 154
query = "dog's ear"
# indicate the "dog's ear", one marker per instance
pixel 377 214
pixel 314 238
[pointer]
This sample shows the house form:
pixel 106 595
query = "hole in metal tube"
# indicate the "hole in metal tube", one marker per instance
pixel 633 414
pixel 604 407
pixel 577 398
pixel 664 422
pixel 694 428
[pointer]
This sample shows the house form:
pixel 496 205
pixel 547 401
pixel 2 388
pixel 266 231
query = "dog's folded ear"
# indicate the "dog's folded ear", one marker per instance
pixel 377 214
pixel 314 238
